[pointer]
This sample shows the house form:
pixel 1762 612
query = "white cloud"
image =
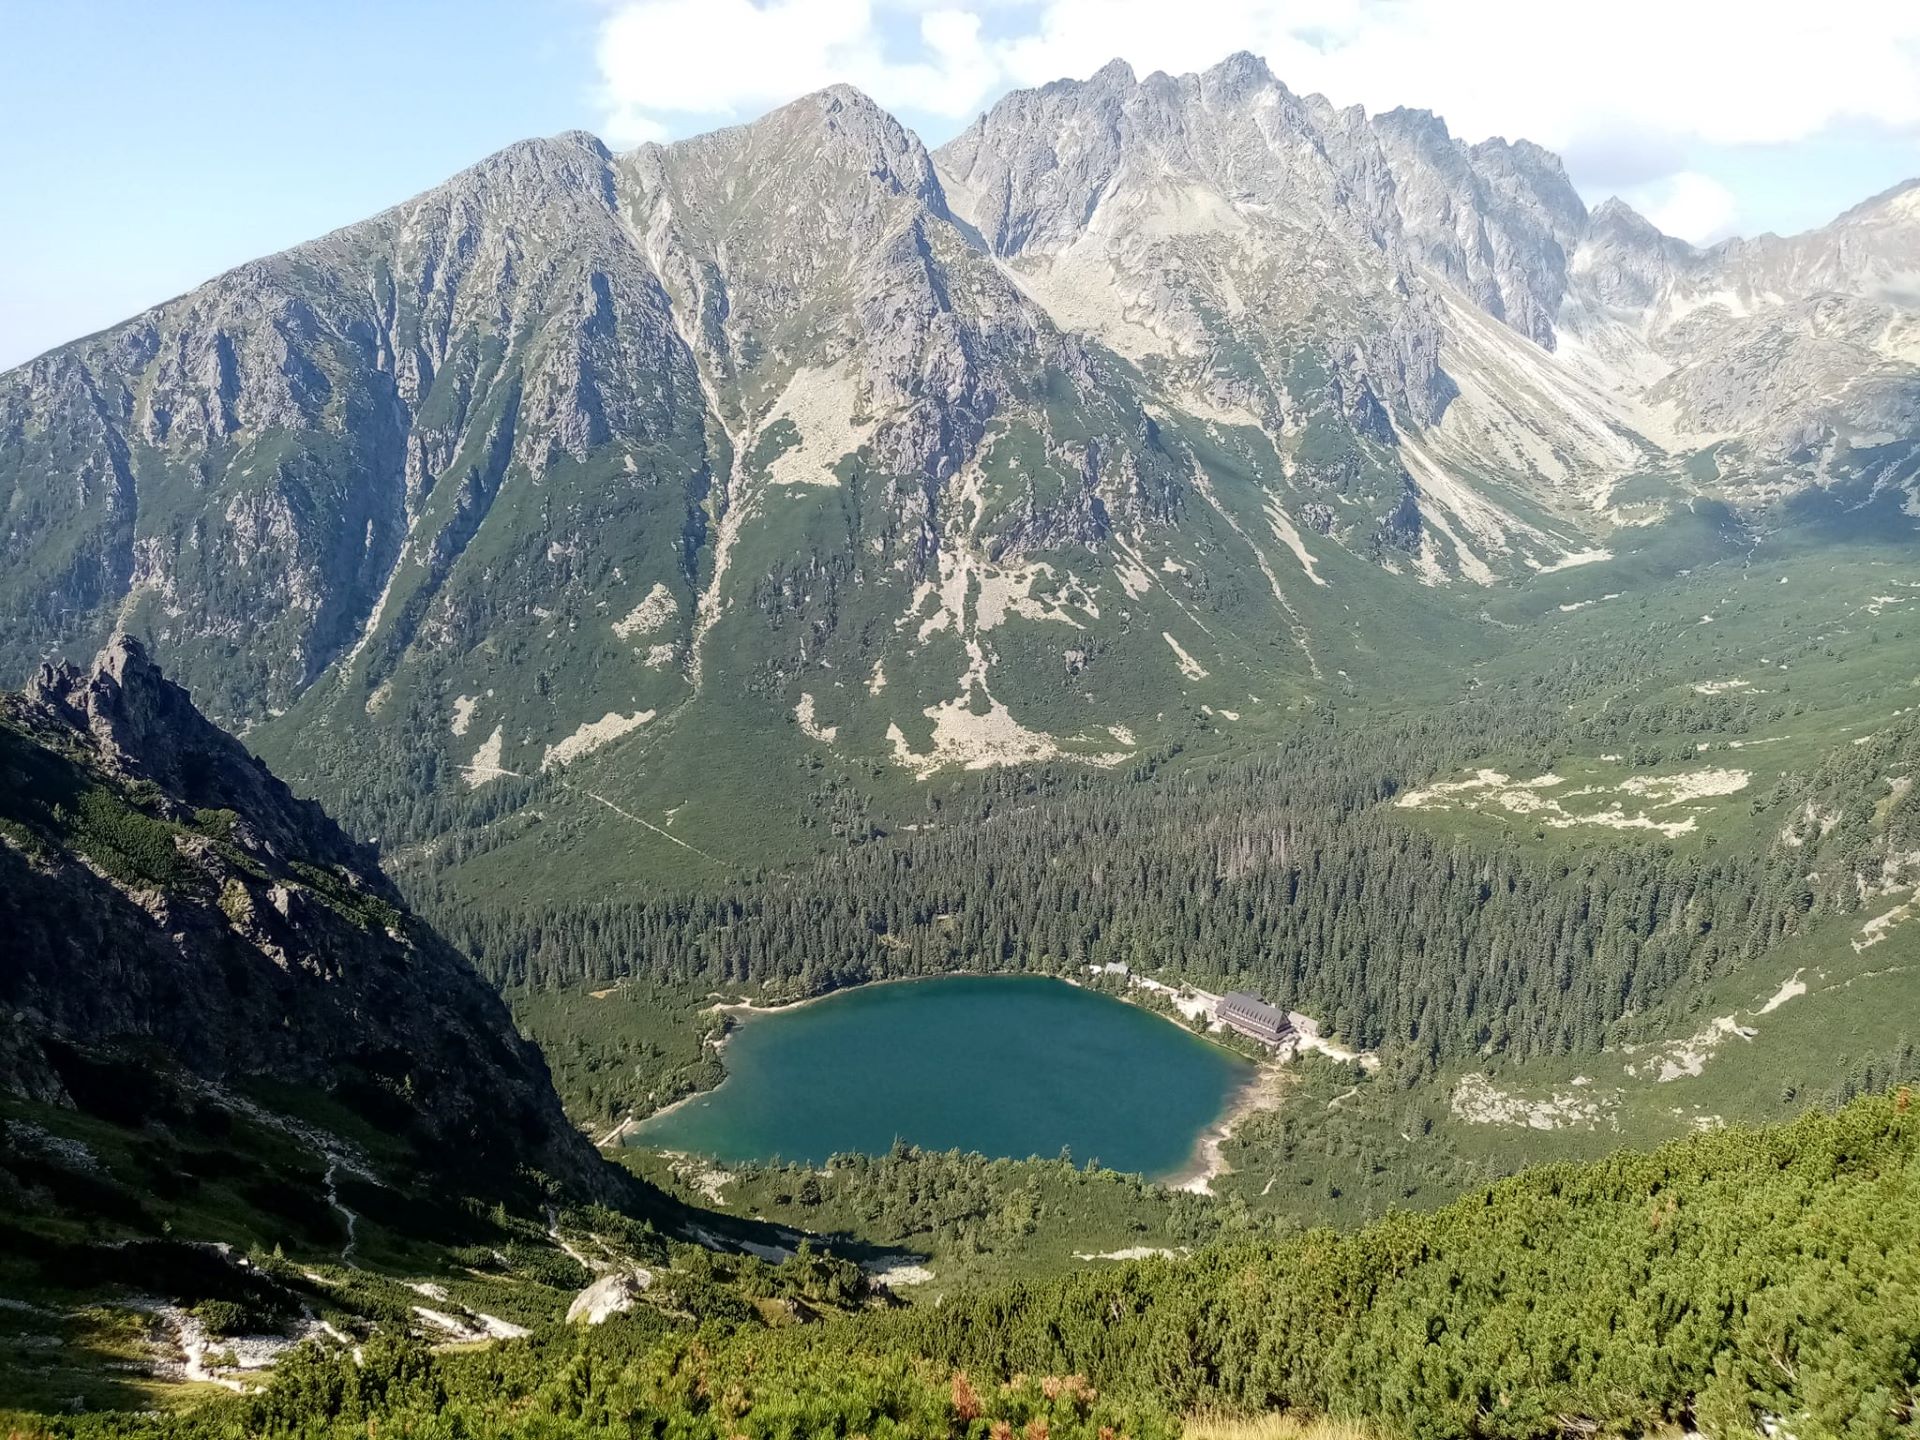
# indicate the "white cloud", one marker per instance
pixel 662 61
pixel 1646 78
pixel 1693 206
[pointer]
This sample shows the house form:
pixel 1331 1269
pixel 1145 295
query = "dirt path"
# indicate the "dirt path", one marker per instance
pixel 340 1208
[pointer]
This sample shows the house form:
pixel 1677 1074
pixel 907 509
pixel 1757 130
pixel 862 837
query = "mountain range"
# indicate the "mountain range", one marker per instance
pixel 1179 536
pixel 798 456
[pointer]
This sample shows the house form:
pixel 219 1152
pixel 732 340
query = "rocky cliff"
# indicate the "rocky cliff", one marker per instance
pixel 166 898
pixel 1143 398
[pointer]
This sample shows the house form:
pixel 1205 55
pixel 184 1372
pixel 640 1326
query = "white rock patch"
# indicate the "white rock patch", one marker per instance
pixel 1576 558
pixel 593 735
pixel 471 1326
pixel 1790 989
pixel 1487 789
pixel 485 764
pixel 820 402
pixel 1130 1252
pixel 1684 1059
pixel 1134 577
pixel 981 741
pixel 608 1296
pixel 1583 604
pixel 1695 785
pixel 1010 592
pixel 973 742
pixel 1189 667
pixel 970 599
pixel 893 1273
pixel 1478 1101
pixel 1288 534
pixel 463 708
pixel 1881 926
pixel 810 723
pixel 649 615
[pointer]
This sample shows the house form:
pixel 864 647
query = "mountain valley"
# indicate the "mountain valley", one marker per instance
pixel 866 465
pixel 1179 537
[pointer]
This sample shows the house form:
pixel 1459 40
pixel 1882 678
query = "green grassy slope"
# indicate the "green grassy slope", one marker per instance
pixel 1727 1283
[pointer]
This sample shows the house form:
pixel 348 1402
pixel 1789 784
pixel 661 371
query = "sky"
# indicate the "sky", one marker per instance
pixel 146 147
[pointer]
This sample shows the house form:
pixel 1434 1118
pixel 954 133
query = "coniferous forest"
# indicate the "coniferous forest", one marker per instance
pixel 1293 875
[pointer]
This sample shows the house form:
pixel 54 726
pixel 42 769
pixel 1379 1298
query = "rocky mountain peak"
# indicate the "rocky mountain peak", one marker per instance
pixel 832 135
pixel 1238 77
pixel 158 883
pixel 1898 204
pixel 1624 263
pixel 1499 221
pixel 584 140
pixel 1425 125
pixel 143 727
pixel 1615 215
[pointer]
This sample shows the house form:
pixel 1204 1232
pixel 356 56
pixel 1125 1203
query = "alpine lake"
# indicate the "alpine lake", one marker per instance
pixel 1004 1065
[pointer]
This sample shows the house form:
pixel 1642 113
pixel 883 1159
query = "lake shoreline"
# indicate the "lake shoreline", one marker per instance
pixel 1260 1091
pixel 1264 1090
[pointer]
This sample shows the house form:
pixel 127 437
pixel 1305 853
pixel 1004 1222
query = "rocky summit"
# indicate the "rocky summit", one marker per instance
pixel 846 464
pixel 164 895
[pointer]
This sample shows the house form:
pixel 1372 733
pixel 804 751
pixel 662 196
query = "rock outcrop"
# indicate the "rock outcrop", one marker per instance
pixel 164 896
pixel 447 499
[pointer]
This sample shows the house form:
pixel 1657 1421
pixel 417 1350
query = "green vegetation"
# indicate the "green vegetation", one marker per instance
pixel 1287 875
pixel 1458 937
pixel 625 1048
pixel 1723 1280
pixel 1726 1282
pixel 968 1217
pixel 152 1185
pixel 51 799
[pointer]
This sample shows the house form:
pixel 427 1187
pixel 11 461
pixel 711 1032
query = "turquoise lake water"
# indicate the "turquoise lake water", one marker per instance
pixel 1005 1065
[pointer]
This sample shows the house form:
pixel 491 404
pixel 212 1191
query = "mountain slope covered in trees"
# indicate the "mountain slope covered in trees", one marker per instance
pixel 1726 1283
pixel 246 1095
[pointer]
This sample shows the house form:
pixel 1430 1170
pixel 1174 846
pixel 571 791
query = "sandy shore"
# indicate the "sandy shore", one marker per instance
pixel 1264 1091
pixel 618 1133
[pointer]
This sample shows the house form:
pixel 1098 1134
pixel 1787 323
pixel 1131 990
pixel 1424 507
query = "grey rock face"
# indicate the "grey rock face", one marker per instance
pixel 1788 347
pixel 1179 183
pixel 512 455
pixel 189 903
pixel 1499 221
pixel 610 1295
pixel 257 455
pixel 143 727
pixel 819 236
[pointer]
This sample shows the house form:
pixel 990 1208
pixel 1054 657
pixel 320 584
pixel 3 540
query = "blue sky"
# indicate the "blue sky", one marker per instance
pixel 145 147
